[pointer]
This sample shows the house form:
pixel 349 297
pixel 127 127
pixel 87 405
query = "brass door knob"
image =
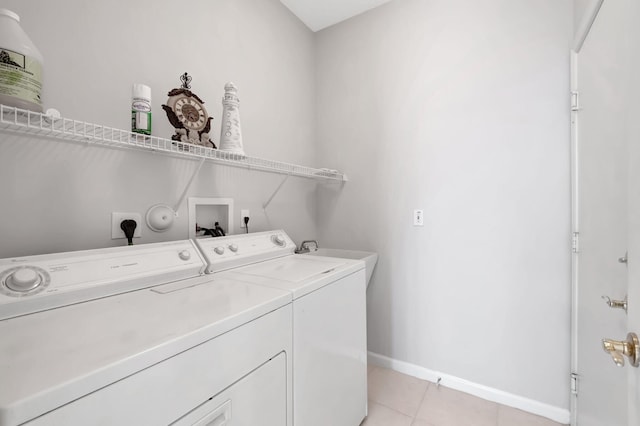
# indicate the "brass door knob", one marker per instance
pixel 629 347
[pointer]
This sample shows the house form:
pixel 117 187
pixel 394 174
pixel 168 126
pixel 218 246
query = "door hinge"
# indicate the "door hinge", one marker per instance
pixel 575 242
pixel 575 101
pixel 574 383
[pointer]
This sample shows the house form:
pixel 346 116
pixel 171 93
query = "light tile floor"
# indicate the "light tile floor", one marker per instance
pixel 396 399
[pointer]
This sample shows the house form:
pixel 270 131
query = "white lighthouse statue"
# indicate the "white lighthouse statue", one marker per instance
pixel 230 134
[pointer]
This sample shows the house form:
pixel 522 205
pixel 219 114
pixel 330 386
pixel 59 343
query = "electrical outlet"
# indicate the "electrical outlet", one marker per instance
pixel 243 214
pixel 116 220
pixel 418 218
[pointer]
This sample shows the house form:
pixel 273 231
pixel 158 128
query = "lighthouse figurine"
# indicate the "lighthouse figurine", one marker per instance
pixel 230 134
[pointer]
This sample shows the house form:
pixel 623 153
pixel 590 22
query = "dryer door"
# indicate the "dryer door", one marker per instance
pixel 259 398
pixel 247 366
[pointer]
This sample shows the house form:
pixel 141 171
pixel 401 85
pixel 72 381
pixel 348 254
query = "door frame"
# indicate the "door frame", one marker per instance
pixel 580 36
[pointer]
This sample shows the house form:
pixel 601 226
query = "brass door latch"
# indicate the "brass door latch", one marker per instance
pixel 620 304
pixel 630 348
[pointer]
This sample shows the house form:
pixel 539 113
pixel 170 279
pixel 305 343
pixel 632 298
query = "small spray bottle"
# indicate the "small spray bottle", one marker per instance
pixel 141 109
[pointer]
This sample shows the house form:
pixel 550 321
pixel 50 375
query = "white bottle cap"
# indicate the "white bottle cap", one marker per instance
pixel 10 14
pixel 141 91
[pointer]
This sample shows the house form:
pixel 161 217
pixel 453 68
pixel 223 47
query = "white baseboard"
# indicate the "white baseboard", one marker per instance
pixel 556 414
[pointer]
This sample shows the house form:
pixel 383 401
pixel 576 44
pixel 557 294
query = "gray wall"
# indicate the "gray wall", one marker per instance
pixel 456 107
pixel 59 196
pixel 459 108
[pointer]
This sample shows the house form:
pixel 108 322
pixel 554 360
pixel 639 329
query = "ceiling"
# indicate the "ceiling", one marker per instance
pixel 319 14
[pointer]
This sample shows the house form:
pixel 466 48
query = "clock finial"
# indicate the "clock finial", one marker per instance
pixel 186 81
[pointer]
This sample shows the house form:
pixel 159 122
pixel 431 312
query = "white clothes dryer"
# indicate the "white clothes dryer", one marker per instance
pixel 139 336
pixel 329 321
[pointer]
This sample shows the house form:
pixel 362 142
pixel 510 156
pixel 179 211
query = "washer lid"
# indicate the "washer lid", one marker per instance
pixel 299 274
pixel 294 268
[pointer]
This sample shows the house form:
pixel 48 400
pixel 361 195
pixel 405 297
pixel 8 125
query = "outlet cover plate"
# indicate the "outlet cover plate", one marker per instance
pixel 418 217
pixel 117 218
pixel 244 213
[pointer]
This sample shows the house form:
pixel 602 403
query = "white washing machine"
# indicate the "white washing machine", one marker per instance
pixel 139 336
pixel 329 321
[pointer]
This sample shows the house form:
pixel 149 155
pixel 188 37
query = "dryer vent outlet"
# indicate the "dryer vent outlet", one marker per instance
pixel 205 212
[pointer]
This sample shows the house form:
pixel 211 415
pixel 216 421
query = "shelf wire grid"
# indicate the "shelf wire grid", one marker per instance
pixel 34 123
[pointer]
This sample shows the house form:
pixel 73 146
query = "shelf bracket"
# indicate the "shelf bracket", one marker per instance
pixel 186 189
pixel 160 217
pixel 266 204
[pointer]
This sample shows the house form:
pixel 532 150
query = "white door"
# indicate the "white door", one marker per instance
pixel 633 138
pixel 606 188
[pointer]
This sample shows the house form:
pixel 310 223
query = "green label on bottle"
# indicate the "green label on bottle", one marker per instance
pixel 141 122
pixel 20 76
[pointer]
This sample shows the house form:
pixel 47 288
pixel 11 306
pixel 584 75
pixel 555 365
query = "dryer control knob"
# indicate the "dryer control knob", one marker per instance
pixel 219 250
pixel 233 247
pixel 278 240
pixel 184 255
pixel 23 280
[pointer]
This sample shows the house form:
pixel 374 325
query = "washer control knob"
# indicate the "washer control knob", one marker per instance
pixel 233 247
pixel 219 250
pixel 278 240
pixel 184 255
pixel 23 280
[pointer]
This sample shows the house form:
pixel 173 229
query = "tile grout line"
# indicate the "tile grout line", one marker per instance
pixel 412 417
pixel 424 396
pixel 391 408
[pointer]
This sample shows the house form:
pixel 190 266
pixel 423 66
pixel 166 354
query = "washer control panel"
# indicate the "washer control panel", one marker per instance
pixel 36 283
pixel 228 252
pixel 24 280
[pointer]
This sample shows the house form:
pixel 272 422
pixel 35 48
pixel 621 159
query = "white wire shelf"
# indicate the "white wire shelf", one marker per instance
pixel 33 123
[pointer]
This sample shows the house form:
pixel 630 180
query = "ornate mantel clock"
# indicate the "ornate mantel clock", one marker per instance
pixel 186 112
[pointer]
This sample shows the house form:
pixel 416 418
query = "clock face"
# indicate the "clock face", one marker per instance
pixel 191 113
